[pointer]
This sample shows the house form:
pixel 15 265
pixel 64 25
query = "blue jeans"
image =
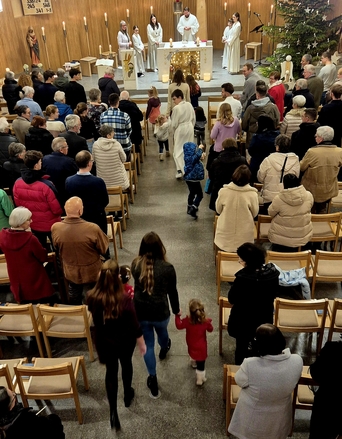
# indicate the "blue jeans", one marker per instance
pixel 148 329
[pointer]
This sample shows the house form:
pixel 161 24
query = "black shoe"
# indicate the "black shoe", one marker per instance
pixel 189 209
pixel 193 212
pixel 152 384
pixel 128 399
pixel 114 420
pixel 163 352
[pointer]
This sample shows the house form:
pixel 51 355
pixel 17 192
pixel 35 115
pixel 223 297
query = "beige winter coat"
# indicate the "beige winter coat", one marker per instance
pixel 237 207
pixel 291 217
pixel 321 165
pixel 110 157
pixel 291 121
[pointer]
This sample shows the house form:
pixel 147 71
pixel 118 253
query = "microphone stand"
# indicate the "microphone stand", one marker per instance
pixel 258 29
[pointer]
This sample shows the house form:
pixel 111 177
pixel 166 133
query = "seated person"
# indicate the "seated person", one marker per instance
pixel 293 118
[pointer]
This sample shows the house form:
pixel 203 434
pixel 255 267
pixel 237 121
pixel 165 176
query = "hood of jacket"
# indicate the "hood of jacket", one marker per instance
pixel 15 239
pixel 267 272
pixel 103 82
pixel 237 188
pixel 277 160
pixel 10 81
pixel 233 124
pixel 309 128
pixel 31 176
pixel 261 102
pixel 105 144
pixel 228 155
pixel 294 196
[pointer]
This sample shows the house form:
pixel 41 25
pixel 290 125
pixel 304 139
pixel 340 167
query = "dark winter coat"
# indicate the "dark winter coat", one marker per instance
pixel 134 112
pixel 107 87
pixel 39 139
pixel 10 94
pixel 304 138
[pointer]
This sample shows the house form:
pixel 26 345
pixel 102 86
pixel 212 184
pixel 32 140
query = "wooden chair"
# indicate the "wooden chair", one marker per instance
pixel 291 261
pixel 231 391
pixel 302 316
pixel 4 279
pixel 19 321
pixel 7 375
pixel 132 184
pixel 224 313
pixel 327 267
pixel 335 318
pixel 118 201
pixel 135 161
pixel 263 226
pixel 114 228
pixel 144 124
pixel 52 378
pixel 212 109
pixel 227 264
pixel 65 321
pixel 336 202
pixel 326 227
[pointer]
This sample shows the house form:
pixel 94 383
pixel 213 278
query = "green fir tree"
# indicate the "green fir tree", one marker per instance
pixel 306 29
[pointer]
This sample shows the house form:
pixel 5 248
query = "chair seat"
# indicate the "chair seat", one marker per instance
pixel 3 271
pixel 229 268
pixel 338 320
pixel 67 324
pixel 12 323
pixel 51 384
pixel 321 229
pixel 305 395
pixel 290 318
pixel 329 268
pixel 264 228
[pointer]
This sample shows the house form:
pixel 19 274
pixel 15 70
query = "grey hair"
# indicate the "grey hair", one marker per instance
pixel 16 148
pixel 9 74
pixel 3 124
pixel 124 95
pixel 302 83
pixel 18 216
pixel 122 22
pixel 60 73
pixel 105 130
pixel 109 71
pixel 308 58
pixel 59 96
pixel 28 90
pixel 71 121
pixel 310 68
pixel 57 144
pixel 299 100
pixel 94 94
pixel 327 133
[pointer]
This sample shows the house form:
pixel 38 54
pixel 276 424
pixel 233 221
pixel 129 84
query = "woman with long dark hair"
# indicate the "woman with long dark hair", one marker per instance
pixel 178 82
pixel 116 333
pixel 233 43
pixel 154 285
pixel 155 37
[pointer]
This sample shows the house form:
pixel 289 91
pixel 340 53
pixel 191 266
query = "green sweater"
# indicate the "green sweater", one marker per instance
pixel 6 207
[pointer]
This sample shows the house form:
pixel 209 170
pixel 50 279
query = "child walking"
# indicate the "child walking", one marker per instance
pixel 161 131
pixel 153 105
pixel 193 174
pixel 201 121
pixel 125 275
pixel 196 324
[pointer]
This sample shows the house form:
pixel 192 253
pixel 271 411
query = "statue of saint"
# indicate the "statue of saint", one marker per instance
pixel 34 46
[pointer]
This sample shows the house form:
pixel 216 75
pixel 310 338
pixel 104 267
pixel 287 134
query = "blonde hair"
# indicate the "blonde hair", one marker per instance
pixel 225 114
pixel 197 314
pixel 153 92
pixel 159 119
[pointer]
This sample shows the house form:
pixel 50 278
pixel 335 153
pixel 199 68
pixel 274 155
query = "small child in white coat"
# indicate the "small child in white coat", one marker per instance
pixel 161 131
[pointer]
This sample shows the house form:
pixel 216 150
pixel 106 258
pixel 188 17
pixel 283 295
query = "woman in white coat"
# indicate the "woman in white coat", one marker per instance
pixel 233 44
pixel 155 37
pixel 139 48
pixel 264 408
pixel 182 124
pixel 124 41
pixel 225 42
pixel 237 204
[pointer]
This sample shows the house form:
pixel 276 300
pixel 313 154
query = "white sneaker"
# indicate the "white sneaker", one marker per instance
pixel 200 377
pixel 161 156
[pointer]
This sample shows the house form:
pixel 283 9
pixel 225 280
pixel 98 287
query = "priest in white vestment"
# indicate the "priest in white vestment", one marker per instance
pixel 188 26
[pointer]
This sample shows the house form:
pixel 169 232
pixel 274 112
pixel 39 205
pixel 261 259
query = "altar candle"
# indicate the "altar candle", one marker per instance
pixel 127 13
pixel 198 40
pixel 85 21
pixel 249 7
pixel 170 40
pixel 43 31
pixel 271 14
pixel 63 24
pixel 151 8
pixel 225 6
pixel 105 16
pixel 100 49
pixel 110 48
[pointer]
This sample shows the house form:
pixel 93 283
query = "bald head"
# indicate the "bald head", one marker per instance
pixel 124 95
pixel 74 207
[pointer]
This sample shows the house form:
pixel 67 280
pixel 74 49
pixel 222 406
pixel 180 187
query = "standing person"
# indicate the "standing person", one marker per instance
pixel 227 126
pixel 161 131
pixel 15 164
pixel 195 90
pixel 54 125
pixel 182 124
pixel 22 123
pixel 327 74
pixel 107 85
pixel 124 41
pixel 27 99
pixel 276 89
pixel 136 116
pixel 293 118
pixel 178 82
pixel 5 140
pixel 88 129
pixel 305 137
pixel 153 105
pixel 38 137
pixel 193 174
pixel 139 48
pixel 74 92
pixel 251 77
pixel 200 124
pixel 227 90
pixel 264 409
pixel 252 294
pixel 331 114
pixel 188 25
pixel 315 83
pixel 63 109
pixel 155 37
pixel 75 142
pixel 196 325
pixel 9 91
pixel 117 331
pixel 61 81
pixel 125 275
pixel 225 42
pixel 155 284
pixel 96 107
pixel 45 93
pixel 233 43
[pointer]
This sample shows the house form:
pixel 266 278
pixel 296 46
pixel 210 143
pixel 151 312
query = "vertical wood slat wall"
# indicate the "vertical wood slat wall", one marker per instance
pixel 14 49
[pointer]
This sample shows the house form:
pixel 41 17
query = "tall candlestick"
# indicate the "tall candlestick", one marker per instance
pixel 100 49
pixel 85 21
pixel 43 32
pixel 225 6
pixel 151 8
pixel 63 24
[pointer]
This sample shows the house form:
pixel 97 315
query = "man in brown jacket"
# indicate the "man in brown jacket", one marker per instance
pixel 80 245
pixel 321 165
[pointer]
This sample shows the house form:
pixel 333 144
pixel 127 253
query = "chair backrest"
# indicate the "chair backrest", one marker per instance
pixel 4 279
pixel 117 202
pixel 231 390
pixel 336 202
pixel 7 375
pixel 224 311
pixel 291 261
pixel 262 231
pixel 336 318
pixel 326 227
pixel 327 267
pixel 227 264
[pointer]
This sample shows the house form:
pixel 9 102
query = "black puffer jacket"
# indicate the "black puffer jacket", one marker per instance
pixel 107 87
pixel 39 139
pixel 10 94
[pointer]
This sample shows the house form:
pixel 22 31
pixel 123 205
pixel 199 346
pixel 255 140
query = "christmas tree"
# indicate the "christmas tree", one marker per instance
pixel 306 29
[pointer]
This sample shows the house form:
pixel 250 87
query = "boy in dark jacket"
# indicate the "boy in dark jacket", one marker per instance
pixel 193 173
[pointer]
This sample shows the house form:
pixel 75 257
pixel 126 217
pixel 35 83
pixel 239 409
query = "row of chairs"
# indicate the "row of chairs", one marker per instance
pixel 299 316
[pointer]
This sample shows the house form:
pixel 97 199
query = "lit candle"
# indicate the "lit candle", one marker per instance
pixel 170 40
pixel 110 48
pixel 225 6
pixel 43 31
pixel 249 7
pixel 85 21
pixel 100 49
pixel 127 13
pixel 105 15
pixel 198 41
pixel 63 24
pixel 271 9
pixel 151 9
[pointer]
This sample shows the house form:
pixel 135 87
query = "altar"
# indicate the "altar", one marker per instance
pixel 186 56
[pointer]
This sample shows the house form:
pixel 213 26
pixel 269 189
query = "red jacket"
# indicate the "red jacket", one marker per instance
pixel 278 94
pixel 39 198
pixel 25 256
pixel 196 337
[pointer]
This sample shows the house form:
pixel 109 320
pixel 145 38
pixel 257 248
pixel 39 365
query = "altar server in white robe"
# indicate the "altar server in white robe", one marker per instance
pixel 139 48
pixel 225 41
pixel 233 44
pixel 188 26
pixel 182 124
pixel 155 37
